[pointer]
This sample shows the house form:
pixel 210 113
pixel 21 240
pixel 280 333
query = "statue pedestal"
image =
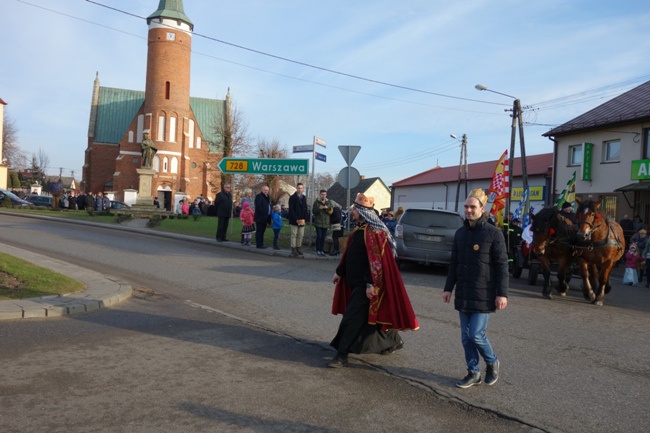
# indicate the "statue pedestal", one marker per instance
pixel 145 200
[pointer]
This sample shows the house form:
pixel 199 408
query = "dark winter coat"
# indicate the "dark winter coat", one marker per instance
pixel 262 209
pixel 479 267
pixel 223 203
pixel 298 209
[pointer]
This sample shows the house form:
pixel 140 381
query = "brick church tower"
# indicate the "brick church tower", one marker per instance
pixel 184 129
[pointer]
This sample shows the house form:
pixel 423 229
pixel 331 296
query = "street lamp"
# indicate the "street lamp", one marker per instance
pixel 516 120
pixel 461 164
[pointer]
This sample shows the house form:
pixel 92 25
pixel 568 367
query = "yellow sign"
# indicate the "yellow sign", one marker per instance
pixel 536 193
pixel 237 165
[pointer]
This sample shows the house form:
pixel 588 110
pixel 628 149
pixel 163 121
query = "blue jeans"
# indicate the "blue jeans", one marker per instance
pixel 472 331
pixel 321 232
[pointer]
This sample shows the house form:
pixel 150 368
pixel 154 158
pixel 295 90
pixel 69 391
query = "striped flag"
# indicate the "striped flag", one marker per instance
pixel 569 193
pixel 499 189
pixel 522 213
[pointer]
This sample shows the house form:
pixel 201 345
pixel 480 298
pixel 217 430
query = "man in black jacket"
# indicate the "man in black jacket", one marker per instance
pixel 223 205
pixel 298 214
pixel 479 271
pixel 262 215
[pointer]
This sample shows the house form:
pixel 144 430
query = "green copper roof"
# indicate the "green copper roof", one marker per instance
pixel 171 9
pixel 118 107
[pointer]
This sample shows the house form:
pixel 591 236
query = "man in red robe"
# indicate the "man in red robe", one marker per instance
pixel 369 291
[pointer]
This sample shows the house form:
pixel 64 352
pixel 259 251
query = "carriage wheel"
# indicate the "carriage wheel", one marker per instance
pixel 533 272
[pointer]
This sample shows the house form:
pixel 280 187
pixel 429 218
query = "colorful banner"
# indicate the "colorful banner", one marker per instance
pixel 569 193
pixel 522 213
pixel 499 189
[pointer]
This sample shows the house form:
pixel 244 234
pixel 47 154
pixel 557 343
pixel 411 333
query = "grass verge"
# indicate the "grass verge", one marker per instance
pixel 20 279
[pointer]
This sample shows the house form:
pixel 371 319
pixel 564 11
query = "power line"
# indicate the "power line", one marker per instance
pixel 309 65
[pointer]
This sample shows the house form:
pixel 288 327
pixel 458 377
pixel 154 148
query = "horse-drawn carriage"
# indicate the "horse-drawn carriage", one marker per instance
pixel 523 257
pixel 593 245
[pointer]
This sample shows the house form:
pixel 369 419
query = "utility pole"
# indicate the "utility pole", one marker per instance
pixel 462 167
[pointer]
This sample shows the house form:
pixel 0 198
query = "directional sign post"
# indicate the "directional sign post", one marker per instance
pixel 265 166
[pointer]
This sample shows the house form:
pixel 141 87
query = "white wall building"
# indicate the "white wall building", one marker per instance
pixel 436 188
pixel 608 148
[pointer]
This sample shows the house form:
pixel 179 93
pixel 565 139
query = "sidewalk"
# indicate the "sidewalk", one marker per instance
pixel 101 291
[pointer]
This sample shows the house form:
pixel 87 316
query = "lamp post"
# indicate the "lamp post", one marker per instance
pixel 516 120
pixel 462 164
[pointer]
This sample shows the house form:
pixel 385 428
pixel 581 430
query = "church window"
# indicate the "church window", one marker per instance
pixel 167 89
pixel 174 165
pixel 198 142
pixel 172 129
pixel 161 128
pixel 165 164
pixel 130 136
pixel 140 128
pixel 155 164
pixel 190 133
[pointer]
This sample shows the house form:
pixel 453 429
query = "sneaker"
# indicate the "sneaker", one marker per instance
pixel 338 362
pixel 492 373
pixel 470 380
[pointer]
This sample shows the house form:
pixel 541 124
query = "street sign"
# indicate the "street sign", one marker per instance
pixel 320 142
pixel 320 157
pixel 349 153
pixel 305 148
pixel 264 166
pixel 349 177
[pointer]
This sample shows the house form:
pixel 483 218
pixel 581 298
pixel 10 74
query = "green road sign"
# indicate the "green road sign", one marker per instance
pixel 264 166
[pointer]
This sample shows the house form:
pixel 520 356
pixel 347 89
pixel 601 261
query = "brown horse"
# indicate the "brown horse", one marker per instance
pixel 602 244
pixel 554 237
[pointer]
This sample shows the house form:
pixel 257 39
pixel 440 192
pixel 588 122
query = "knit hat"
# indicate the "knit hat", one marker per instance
pixel 565 205
pixel 245 205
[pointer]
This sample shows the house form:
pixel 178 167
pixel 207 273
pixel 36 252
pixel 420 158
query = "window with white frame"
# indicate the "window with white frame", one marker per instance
pixel 172 129
pixel 174 165
pixel 612 151
pixel 161 128
pixel 156 163
pixel 190 132
pixel 198 142
pixel 575 155
pixel 165 164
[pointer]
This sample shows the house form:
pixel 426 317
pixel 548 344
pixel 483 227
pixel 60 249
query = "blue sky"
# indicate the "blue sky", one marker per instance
pixel 560 57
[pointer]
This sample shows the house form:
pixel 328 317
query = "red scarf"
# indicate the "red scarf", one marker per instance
pixel 391 306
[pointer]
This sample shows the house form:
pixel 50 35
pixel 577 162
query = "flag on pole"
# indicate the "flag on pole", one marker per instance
pixel 522 213
pixel 499 189
pixel 569 193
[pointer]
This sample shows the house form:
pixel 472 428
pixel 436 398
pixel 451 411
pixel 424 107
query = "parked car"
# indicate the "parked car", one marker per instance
pixel 119 205
pixel 426 236
pixel 15 200
pixel 39 200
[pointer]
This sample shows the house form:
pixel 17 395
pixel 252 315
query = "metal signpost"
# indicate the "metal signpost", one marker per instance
pixel 349 177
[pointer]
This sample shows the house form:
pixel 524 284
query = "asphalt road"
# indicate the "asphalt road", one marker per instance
pixel 224 340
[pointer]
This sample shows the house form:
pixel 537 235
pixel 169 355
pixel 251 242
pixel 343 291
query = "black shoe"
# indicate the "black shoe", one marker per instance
pixel 492 373
pixel 470 380
pixel 338 362
pixel 263 247
pixel 393 349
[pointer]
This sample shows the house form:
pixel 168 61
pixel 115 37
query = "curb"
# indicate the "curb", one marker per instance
pixel 101 291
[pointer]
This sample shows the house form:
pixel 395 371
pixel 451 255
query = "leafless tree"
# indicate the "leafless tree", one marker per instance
pixel 272 149
pixel 41 159
pixel 232 128
pixel 10 149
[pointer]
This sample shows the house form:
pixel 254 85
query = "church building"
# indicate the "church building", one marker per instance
pixel 187 131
